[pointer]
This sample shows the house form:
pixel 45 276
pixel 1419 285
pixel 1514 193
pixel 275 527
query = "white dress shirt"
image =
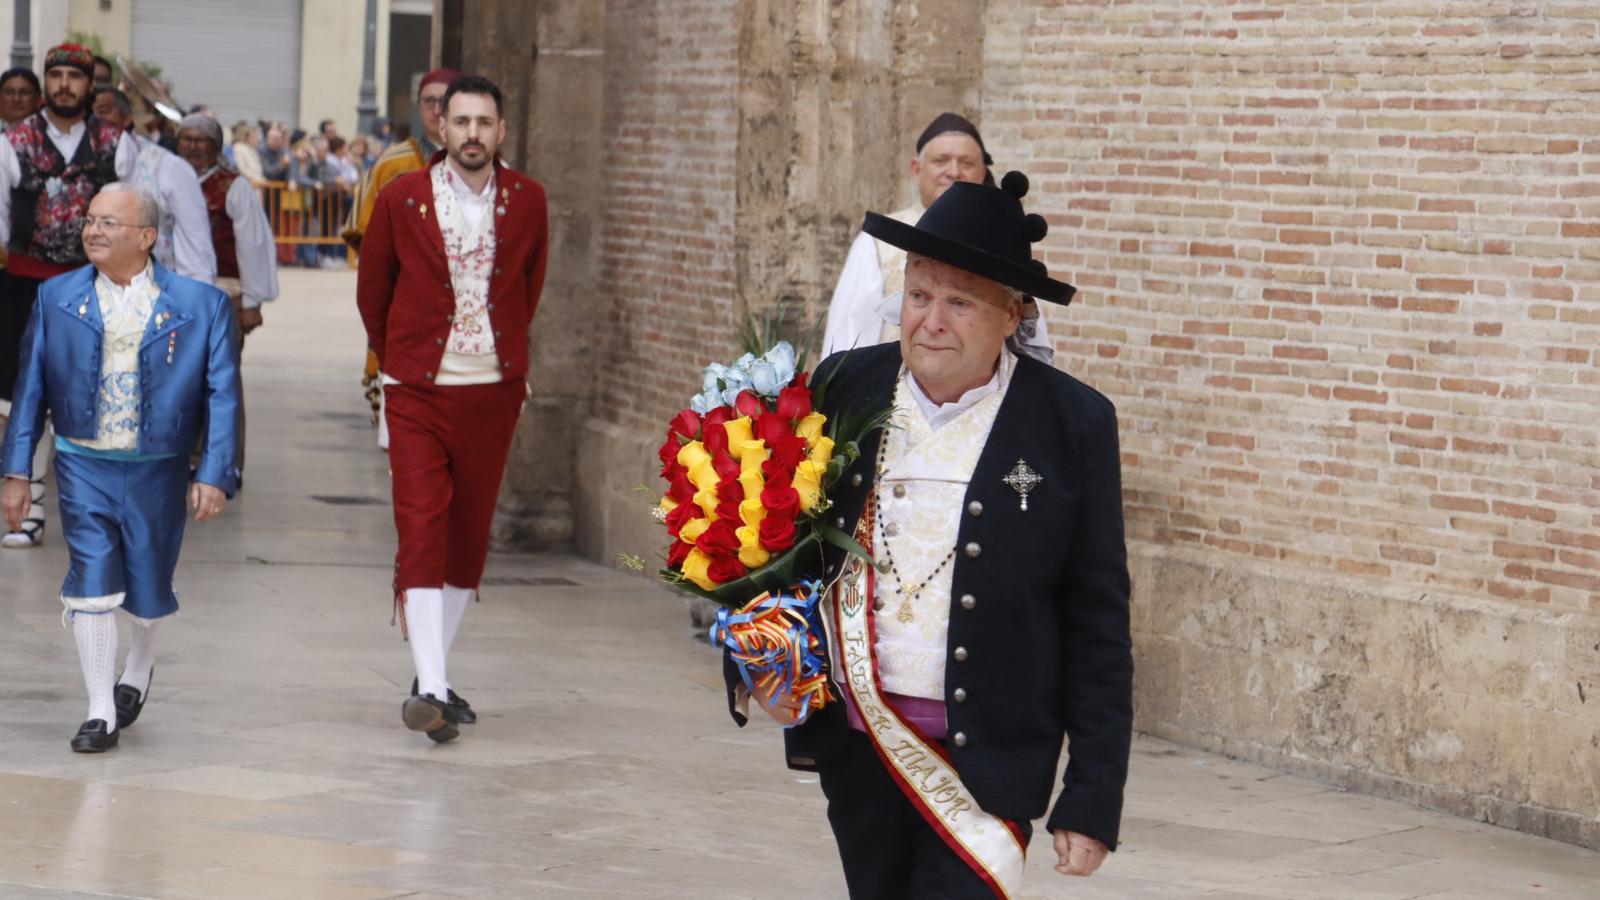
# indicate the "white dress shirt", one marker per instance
pixel 67 143
pixel 252 242
pixel 185 224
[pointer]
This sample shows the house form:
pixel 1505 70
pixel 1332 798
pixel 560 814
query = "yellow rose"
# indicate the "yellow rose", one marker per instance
pixel 751 553
pixel 707 500
pixel 738 435
pixel 751 455
pixel 751 512
pixel 704 475
pixel 668 505
pixel 692 529
pixel 822 451
pixel 696 568
pixel 808 484
pixel 810 428
pixel 693 454
pixel 753 483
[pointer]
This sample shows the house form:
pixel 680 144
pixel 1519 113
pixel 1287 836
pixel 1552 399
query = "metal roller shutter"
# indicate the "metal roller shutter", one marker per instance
pixel 239 57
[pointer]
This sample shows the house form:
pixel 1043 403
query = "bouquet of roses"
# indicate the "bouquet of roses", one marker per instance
pixel 748 467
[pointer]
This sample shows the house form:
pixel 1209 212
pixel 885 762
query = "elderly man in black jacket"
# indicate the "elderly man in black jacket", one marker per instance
pixel 995 621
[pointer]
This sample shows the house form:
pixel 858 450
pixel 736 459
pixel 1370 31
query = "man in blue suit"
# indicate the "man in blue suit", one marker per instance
pixel 131 361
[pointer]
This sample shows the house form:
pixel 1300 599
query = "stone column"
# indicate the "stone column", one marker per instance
pixel 548 58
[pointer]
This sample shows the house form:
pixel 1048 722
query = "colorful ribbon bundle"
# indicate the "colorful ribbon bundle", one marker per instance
pixel 775 641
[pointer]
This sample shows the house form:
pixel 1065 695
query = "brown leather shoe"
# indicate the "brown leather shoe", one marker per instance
pixel 427 714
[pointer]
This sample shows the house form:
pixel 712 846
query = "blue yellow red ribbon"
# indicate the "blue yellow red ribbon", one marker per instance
pixel 775 641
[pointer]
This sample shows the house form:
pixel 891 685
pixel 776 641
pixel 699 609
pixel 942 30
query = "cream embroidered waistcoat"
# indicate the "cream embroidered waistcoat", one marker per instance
pixel 124 314
pixel 920 496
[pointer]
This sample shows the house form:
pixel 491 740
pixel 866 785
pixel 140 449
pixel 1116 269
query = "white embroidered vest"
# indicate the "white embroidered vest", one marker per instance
pixel 125 314
pixel 892 264
pixel 470 252
pixel 920 496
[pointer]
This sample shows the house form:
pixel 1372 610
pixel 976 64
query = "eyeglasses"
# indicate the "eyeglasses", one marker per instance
pixel 90 223
pixel 431 102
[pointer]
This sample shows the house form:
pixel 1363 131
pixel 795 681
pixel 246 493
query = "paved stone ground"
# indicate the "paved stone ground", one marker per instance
pixel 271 762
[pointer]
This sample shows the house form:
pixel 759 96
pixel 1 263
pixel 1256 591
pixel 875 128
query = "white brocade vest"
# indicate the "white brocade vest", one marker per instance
pixel 920 497
pixel 469 248
pixel 892 264
pixel 124 314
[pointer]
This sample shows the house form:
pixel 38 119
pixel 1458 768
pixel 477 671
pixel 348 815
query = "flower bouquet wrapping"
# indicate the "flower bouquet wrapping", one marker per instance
pixel 748 467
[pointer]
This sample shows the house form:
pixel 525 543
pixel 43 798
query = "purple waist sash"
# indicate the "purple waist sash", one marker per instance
pixel 927 715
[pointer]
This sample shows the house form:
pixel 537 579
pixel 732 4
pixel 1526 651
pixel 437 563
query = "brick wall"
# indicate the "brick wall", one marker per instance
pixel 667 244
pixel 1340 271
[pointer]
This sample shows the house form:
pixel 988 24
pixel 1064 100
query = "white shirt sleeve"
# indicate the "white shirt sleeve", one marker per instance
pixel 252 239
pixel 127 161
pixel 10 176
pixel 191 225
pixel 852 314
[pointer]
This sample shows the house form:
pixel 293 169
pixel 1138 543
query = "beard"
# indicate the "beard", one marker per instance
pixel 471 165
pixel 77 110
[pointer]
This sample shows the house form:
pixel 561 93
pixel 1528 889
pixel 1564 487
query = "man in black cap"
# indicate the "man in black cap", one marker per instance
pixel 865 307
pixel 995 621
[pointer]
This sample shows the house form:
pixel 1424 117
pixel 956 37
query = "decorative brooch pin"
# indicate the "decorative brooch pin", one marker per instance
pixel 172 344
pixel 424 209
pixel 1023 480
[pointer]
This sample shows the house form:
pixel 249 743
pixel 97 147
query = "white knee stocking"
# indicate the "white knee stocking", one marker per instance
pixel 455 605
pixel 425 624
pixel 97 653
pixel 141 656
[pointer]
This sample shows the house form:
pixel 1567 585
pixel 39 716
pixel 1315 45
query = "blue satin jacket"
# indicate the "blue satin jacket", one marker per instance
pixel 188 373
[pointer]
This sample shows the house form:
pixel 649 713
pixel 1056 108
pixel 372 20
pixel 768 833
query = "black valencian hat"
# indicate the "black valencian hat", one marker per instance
pixel 981 229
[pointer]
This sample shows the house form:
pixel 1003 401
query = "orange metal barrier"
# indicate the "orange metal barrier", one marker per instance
pixel 305 216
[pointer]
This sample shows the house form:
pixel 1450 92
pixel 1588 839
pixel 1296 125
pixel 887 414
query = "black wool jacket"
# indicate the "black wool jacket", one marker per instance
pixel 1039 644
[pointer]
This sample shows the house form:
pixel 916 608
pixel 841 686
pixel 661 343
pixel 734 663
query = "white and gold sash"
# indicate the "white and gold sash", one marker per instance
pixel 989 845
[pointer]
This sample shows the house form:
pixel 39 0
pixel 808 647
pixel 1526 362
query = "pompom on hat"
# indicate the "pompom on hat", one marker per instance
pixel 76 56
pixel 982 229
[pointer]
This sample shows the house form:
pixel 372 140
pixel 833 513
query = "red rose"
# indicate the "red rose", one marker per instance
pixel 781 501
pixel 729 494
pixel 719 539
pixel 788 452
pixel 748 404
pixel 681 515
pixel 682 489
pixel 668 452
pixel 725 569
pixel 677 553
pixel 685 423
pixel 722 415
pixel 794 403
pixel 777 532
pixel 771 426
pixel 716 441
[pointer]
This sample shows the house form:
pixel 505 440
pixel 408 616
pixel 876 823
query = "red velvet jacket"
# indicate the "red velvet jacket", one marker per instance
pixel 403 288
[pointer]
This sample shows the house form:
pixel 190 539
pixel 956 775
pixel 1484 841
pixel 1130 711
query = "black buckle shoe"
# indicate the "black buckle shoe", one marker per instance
pixel 427 714
pixel 459 707
pixel 92 737
pixel 130 701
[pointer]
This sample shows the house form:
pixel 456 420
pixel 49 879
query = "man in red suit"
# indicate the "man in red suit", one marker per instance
pixel 451 268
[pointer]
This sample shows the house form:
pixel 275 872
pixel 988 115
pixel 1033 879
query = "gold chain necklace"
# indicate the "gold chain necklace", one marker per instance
pixel 886 565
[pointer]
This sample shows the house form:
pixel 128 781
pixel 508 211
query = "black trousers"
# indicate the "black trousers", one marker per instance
pixel 17 295
pixel 889 851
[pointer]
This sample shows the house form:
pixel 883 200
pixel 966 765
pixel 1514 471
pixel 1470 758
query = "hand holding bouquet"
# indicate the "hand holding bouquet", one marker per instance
pixel 748 467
